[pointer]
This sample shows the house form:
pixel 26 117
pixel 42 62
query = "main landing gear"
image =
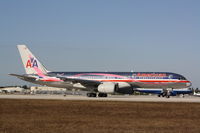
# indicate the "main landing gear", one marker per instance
pixel 91 94
pixel 95 95
pixel 102 95
pixel 164 95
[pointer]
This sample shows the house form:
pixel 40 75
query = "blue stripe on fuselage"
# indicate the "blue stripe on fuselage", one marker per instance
pixel 159 91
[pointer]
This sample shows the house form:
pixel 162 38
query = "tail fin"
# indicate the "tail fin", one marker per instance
pixel 30 62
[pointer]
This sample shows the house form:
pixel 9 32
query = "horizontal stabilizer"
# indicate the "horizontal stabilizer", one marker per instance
pixel 23 77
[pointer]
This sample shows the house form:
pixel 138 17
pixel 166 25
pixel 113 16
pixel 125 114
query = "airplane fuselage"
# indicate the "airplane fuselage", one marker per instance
pixel 136 79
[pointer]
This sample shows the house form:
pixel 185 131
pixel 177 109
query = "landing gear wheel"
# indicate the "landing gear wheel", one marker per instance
pixel 91 94
pixel 102 95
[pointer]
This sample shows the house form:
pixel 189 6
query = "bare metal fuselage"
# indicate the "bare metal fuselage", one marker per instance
pixel 136 80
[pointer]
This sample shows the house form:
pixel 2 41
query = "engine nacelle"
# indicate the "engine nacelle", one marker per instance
pixel 124 88
pixel 110 87
pixel 107 87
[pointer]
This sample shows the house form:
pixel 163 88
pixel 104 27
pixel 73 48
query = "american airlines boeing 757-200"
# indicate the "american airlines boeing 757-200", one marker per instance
pixel 102 83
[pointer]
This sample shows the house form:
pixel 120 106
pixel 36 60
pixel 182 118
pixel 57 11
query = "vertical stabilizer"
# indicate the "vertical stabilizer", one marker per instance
pixel 30 62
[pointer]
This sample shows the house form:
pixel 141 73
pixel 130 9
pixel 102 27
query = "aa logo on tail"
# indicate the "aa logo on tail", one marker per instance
pixel 31 63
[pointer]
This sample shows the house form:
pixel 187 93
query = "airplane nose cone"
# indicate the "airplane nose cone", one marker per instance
pixel 188 84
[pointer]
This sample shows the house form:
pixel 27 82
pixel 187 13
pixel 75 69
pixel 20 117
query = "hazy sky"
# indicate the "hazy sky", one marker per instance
pixel 102 35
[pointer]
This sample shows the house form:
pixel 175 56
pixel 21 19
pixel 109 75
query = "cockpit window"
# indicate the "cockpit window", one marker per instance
pixel 182 78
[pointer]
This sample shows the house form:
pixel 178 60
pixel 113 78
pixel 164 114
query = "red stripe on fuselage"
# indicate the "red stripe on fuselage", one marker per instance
pixel 129 80
pixel 51 80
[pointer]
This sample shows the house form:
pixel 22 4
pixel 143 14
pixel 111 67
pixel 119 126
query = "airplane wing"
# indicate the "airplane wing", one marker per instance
pixel 24 77
pixel 84 82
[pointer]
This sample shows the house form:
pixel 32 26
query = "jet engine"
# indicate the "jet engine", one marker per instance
pixel 110 87
pixel 107 87
pixel 124 88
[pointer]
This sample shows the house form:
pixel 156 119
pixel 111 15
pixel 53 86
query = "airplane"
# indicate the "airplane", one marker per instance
pixel 196 92
pixel 99 83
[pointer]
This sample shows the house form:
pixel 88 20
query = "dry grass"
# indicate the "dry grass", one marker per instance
pixel 57 116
